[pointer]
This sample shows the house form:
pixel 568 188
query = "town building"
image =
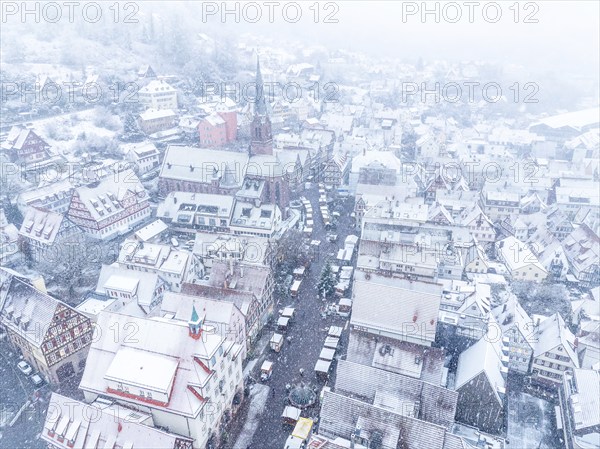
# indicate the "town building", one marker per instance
pixel 24 146
pixel 73 424
pixel 158 94
pixel 53 337
pixel 521 263
pixel 155 120
pixel 111 206
pixel 183 374
pixel 54 197
pixel 171 264
pixel 224 316
pixel 555 351
pixel 579 395
pixel 48 237
pixel 250 288
pixel 402 314
pixel 480 381
pixel 144 156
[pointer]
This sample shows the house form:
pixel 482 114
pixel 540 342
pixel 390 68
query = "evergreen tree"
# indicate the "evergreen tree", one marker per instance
pixel 326 284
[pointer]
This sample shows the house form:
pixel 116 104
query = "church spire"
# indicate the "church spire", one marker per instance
pixel 260 105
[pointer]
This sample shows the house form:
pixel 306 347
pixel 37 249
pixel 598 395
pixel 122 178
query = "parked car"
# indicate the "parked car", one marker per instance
pixel 37 380
pixel 24 367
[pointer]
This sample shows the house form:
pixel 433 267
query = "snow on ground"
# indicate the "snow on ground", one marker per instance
pixel 258 400
pixel 529 421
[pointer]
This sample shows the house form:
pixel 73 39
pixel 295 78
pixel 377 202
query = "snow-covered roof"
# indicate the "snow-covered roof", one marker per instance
pixel 393 310
pixel 157 342
pixel 143 369
pixel 150 231
pixel 104 198
pixel 181 306
pixel 576 119
pixel 41 226
pixel 517 254
pixel 484 356
pixel 552 333
pixel 585 399
pixel 386 158
pixel 155 114
pixel 103 425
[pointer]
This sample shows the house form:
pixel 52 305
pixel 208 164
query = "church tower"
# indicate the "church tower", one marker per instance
pixel 262 137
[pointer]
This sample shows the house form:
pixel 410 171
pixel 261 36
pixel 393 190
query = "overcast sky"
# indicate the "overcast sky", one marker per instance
pixel 566 35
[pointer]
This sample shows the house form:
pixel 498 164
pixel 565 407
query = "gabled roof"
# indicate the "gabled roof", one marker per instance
pixel 553 332
pixel 118 278
pixel 28 305
pixel 104 198
pixel 483 357
pixel 512 315
pixel 42 226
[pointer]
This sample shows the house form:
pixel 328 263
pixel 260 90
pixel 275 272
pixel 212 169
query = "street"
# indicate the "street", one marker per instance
pixel 307 331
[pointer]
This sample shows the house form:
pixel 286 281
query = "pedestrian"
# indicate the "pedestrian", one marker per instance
pixel 273 391
pixel 301 372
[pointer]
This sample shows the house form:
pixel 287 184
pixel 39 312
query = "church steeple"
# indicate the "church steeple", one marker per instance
pixel 262 138
pixel 260 106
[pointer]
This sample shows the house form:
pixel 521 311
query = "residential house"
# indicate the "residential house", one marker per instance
pixel 24 146
pixel 55 197
pixel 500 205
pixel 521 263
pixel 172 265
pixel 521 332
pixel 158 94
pixel 465 306
pixel 215 131
pixel 582 250
pixel 144 156
pixel 204 212
pixel 111 206
pixel 480 381
pixel 480 226
pixel 369 195
pixel 476 260
pixel 579 396
pixel 143 290
pixel 73 424
pixel 336 170
pixel 407 395
pixel 49 237
pixel 53 337
pixel 554 352
pixel 369 425
pixel 184 374
pixel 375 167
pixel 427 147
pixel 155 120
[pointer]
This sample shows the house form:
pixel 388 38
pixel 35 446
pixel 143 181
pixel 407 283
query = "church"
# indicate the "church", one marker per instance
pixel 256 175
